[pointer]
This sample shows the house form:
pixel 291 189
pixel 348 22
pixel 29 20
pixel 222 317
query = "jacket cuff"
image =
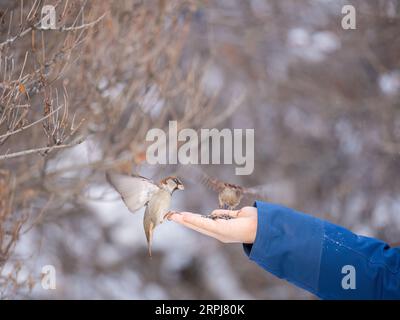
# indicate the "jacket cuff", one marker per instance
pixel 288 244
pixel 252 249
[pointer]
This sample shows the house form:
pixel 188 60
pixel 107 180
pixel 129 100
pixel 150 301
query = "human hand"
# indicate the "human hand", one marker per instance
pixel 241 228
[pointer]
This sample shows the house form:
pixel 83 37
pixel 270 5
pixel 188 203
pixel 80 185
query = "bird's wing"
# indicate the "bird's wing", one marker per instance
pixel 278 191
pixel 256 193
pixel 259 190
pixel 212 183
pixel 136 191
pixel 198 176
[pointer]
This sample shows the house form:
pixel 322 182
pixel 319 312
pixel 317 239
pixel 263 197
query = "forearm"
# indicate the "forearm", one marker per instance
pixel 311 253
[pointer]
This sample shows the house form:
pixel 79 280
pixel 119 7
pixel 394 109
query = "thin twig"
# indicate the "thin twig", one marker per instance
pixel 83 26
pixel 38 150
pixel 37 27
pixel 29 125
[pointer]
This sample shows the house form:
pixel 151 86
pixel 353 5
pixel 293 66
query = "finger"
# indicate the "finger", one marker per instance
pixel 179 219
pixel 175 216
pixel 202 222
pixel 169 215
pixel 235 230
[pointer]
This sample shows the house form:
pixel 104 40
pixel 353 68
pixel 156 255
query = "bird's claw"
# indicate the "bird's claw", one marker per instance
pixel 169 214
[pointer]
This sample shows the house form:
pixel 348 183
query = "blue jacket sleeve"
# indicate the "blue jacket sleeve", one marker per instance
pixel 325 259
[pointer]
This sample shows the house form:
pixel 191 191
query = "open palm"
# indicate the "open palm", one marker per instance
pixel 241 228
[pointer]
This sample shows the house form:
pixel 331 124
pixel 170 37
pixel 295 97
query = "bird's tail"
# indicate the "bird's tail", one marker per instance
pixel 149 247
pixel 148 229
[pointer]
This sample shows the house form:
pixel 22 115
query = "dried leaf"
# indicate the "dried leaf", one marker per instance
pixel 21 88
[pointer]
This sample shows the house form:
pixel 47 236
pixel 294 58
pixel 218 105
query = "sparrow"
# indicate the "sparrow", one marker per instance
pixel 229 195
pixel 138 192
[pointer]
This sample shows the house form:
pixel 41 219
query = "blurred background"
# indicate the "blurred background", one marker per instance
pixel 79 100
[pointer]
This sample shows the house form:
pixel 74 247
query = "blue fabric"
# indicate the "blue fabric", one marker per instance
pixel 310 253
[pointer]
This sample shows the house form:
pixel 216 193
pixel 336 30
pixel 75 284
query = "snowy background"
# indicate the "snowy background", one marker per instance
pixel 324 103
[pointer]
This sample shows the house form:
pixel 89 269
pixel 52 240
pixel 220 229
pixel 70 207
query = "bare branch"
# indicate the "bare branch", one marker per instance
pixel 39 150
pixel 30 125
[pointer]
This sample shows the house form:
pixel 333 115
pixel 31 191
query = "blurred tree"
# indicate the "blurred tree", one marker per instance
pixel 324 103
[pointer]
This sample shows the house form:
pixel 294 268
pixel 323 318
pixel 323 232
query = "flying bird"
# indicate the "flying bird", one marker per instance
pixel 229 195
pixel 137 191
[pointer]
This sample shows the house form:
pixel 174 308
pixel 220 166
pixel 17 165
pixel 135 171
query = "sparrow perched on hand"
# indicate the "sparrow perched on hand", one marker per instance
pixel 229 195
pixel 137 192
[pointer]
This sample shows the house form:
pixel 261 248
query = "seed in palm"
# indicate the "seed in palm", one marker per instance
pixel 215 217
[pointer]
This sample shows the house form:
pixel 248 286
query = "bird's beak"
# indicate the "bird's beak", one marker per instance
pixel 181 187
